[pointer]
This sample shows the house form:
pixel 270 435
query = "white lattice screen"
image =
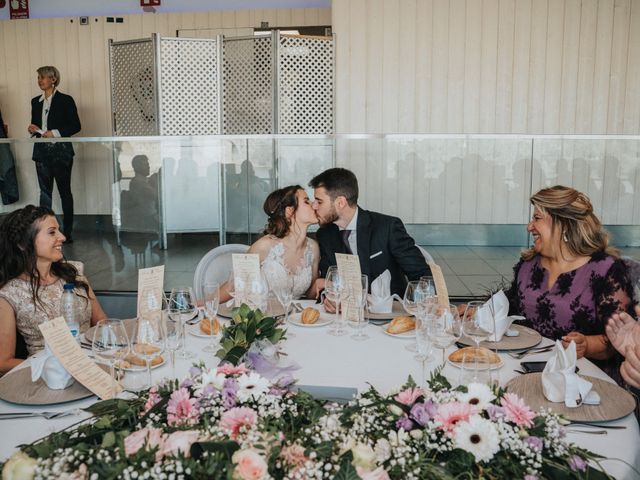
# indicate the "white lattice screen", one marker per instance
pixel 133 88
pixel 189 86
pixel 248 86
pixel 305 85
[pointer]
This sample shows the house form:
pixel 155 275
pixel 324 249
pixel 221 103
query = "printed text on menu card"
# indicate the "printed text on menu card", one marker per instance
pixel 349 269
pixel 245 268
pixel 57 335
pixel 150 284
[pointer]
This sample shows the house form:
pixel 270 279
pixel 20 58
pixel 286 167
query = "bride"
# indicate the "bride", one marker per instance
pixel 285 250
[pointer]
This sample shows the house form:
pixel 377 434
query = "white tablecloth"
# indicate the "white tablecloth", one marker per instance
pixel 326 360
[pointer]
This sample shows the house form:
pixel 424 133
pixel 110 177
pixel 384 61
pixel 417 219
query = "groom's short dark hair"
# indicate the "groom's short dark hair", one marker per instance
pixel 338 181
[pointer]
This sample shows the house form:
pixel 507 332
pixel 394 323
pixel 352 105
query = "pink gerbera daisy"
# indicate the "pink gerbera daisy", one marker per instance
pixel 516 410
pixel 236 418
pixel 182 409
pixel 449 414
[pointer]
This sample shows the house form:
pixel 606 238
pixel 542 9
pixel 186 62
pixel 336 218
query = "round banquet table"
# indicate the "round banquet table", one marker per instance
pixel 326 360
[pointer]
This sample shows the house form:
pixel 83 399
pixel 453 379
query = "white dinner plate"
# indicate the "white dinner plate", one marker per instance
pixel 493 366
pixel 411 334
pixel 323 320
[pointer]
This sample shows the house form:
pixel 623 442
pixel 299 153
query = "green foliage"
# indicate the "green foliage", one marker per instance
pixel 247 326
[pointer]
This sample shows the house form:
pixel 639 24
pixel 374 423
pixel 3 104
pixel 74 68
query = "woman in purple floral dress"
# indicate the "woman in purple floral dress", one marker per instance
pixel 570 281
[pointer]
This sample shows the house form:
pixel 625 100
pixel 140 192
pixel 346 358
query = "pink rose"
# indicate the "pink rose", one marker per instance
pixel 179 441
pixel 152 437
pixel 378 474
pixel 249 465
pixel 293 455
pixel 236 418
pixel 229 369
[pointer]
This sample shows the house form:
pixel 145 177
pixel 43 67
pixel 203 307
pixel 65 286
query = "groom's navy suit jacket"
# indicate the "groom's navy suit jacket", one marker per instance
pixel 383 243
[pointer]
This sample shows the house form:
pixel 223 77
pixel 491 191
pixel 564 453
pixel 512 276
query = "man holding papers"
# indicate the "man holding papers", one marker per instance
pixel 380 241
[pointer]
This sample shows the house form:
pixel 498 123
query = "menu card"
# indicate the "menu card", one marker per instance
pixel 349 269
pixel 246 266
pixel 150 284
pixel 57 335
pixel 441 285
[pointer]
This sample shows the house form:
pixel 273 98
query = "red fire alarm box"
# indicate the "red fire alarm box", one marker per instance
pixel 149 3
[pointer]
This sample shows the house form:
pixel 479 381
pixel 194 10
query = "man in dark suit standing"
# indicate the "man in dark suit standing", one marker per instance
pixel 380 241
pixel 54 115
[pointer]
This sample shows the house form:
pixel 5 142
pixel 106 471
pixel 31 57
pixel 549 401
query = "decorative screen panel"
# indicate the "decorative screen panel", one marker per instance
pixel 248 86
pixel 132 88
pixel 190 87
pixel 305 70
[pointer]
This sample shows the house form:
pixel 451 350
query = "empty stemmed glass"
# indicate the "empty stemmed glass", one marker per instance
pixel 447 329
pixel 173 339
pixel 211 301
pixel 149 341
pixel 358 297
pixel 182 308
pixel 283 290
pixel 110 343
pixel 428 285
pixel 478 322
pixel 334 287
pixel 414 303
pixel 257 293
pixel 423 345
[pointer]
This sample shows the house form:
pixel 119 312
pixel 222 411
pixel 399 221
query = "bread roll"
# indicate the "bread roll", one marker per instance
pixel 471 354
pixel 401 325
pixel 310 316
pixel 132 359
pixel 205 326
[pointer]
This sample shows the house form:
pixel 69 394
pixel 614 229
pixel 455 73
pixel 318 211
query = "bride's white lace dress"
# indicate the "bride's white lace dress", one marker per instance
pixel 276 272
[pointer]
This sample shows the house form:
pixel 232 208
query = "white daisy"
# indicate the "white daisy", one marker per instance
pixel 477 436
pixel 252 385
pixel 210 377
pixel 478 394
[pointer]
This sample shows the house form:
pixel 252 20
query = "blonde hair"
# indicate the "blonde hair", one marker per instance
pixel 51 72
pixel 571 211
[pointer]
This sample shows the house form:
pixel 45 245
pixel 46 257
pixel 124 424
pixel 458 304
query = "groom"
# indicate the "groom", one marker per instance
pixel 380 241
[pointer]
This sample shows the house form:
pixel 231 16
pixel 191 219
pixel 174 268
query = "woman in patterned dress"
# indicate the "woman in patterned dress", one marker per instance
pixel 571 281
pixel 32 274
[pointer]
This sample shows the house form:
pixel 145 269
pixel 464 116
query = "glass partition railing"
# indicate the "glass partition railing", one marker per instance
pixel 146 201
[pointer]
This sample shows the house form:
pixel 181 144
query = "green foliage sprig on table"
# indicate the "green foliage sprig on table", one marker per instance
pixel 246 327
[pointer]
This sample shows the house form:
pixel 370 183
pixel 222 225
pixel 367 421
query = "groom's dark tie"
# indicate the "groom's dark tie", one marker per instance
pixel 345 240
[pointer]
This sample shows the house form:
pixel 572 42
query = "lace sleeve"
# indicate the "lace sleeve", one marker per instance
pixel 513 294
pixel 613 292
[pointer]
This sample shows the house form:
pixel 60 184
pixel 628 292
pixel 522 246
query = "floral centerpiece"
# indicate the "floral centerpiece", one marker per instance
pixel 246 327
pixel 231 423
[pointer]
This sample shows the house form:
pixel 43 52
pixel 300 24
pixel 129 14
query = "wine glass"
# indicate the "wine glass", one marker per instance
pixel 428 285
pixel 447 329
pixel 149 341
pixel 358 297
pixel 283 290
pixel 478 322
pixel 414 302
pixel 334 287
pixel 257 293
pixel 211 301
pixel 182 307
pixel 424 327
pixel 173 339
pixel 110 343
pixel 474 369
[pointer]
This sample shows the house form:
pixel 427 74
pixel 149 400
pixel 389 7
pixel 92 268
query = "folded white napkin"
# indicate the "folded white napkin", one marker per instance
pixel 47 366
pixel 503 321
pixel 561 383
pixel 380 299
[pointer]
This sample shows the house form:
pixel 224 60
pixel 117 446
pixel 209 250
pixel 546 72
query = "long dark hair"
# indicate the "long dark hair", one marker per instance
pixel 18 252
pixel 275 207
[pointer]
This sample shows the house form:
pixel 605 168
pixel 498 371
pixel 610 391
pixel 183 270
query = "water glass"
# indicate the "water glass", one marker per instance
pixel 110 343
pixel 478 322
pixel 149 341
pixel 447 329
pixel 473 369
pixel 414 302
pixel 257 293
pixel 334 288
pixel 173 339
pixel 182 308
pixel 283 290
pixel 358 297
pixel 211 302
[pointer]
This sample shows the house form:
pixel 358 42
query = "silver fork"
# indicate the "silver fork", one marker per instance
pixel 297 306
pixel 531 351
pixel 47 415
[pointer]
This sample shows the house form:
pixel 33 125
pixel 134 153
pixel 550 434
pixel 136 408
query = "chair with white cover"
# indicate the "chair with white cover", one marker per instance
pixel 216 266
pixel 427 256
